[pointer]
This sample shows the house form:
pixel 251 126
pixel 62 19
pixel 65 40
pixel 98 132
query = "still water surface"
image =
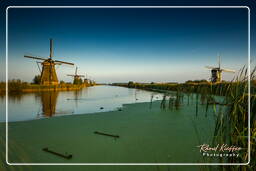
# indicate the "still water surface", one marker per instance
pixel 89 100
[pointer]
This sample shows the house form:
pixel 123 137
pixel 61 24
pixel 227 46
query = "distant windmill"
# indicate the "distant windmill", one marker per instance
pixel 76 77
pixel 90 80
pixel 216 72
pixel 86 80
pixel 48 73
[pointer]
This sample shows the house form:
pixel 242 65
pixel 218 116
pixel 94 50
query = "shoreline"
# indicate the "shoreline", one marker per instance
pixel 39 88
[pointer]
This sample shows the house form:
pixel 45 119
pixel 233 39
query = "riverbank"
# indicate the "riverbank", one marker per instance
pixel 147 135
pixel 219 89
pixel 16 86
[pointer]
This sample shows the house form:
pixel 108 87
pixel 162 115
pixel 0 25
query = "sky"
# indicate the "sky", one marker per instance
pixel 128 44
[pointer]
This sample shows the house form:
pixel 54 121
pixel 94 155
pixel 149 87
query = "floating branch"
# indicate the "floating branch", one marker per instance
pixel 58 154
pixel 100 133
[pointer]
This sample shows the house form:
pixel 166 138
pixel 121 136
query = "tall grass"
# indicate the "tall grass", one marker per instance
pixel 232 125
pixel 231 112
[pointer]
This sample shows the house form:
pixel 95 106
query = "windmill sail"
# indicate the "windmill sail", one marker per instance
pixel 69 63
pixel 228 70
pixel 33 57
pixel 209 67
pixel 51 48
pixel 219 61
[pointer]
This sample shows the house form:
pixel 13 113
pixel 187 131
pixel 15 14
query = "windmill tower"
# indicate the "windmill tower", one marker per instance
pixel 86 80
pixel 90 81
pixel 48 73
pixel 77 77
pixel 216 72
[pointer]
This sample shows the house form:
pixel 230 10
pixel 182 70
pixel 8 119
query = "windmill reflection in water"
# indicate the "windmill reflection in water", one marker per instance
pixel 49 100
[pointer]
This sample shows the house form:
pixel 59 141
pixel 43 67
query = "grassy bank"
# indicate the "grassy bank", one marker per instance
pixel 206 87
pixel 17 86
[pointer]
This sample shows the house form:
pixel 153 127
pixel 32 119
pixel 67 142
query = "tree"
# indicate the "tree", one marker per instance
pixel 130 84
pixel 62 82
pixel 77 81
pixel 37 79
pixel 196 81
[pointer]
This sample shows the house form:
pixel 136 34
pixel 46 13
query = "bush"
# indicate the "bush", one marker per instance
pixel 37 79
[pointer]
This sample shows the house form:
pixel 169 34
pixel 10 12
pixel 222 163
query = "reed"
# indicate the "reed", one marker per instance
pixel 230 111
pixel 232 117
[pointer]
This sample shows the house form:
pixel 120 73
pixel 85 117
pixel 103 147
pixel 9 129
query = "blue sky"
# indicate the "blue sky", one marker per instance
pixel 118 45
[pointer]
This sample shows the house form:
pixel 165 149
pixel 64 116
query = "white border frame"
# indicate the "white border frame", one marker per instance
pixel 249 110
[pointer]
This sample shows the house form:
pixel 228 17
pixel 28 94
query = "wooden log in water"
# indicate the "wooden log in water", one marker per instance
pixel 110 135
pixel 217 103
pixel 58 154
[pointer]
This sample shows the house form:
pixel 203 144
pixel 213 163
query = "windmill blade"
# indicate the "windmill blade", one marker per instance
pixel 228 70
pixel 51 48
pixel 68 63
pixel 209 67
pixel 80 75
pixel 56 63
pixel 70 75
pixel 219 60
pixel 33 57
pixel 76 71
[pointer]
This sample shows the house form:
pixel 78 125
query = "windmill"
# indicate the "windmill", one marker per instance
pixel 48 73
pixel 86 80
pixel 77 77
pixel 90 81
pixel 216 72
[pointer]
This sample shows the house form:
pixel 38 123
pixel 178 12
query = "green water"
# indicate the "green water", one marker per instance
pixel 148 134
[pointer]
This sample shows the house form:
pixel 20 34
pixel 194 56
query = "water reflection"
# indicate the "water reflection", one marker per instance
pixel 29 106
pixel 49 101
pixel 77 95
pixel 15 97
